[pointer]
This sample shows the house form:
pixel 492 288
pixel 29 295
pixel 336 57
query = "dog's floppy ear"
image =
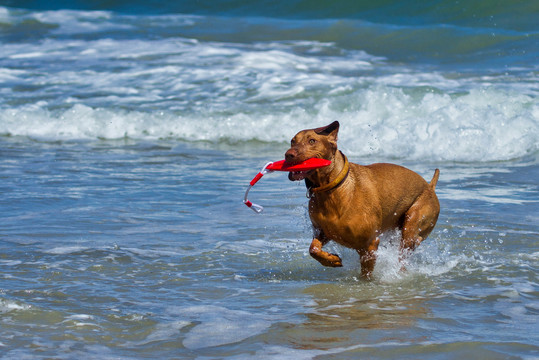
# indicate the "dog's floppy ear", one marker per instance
pixel 332 129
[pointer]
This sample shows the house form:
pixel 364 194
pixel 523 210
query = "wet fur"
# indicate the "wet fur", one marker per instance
pixel 369 201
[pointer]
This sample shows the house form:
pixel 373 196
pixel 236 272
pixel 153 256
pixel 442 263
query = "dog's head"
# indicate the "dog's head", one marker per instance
pixel 318 143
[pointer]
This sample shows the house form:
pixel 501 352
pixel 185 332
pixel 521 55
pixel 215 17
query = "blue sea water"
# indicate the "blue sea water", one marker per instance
pixel 129 132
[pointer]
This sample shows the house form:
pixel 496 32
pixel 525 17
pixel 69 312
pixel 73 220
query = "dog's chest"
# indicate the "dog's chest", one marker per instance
pixel 347 226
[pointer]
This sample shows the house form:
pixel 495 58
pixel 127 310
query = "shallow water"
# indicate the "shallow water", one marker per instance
pixel 134 249
pixel 129 134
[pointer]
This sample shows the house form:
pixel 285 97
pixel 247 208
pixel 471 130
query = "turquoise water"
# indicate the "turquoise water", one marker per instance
pixel 129 134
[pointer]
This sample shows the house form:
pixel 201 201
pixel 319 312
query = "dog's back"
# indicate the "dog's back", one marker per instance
pixel 397 188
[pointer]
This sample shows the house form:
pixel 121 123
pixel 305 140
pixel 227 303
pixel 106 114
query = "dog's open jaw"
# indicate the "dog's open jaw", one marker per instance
pixel 298 175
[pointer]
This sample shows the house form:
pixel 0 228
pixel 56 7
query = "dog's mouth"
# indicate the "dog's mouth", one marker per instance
pixel 298 175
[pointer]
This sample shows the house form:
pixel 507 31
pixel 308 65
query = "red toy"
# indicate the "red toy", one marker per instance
pixel 309 164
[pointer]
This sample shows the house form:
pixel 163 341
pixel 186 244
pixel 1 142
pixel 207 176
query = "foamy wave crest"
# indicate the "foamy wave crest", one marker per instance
pixel 9 306
pixel 388 122
pixel 104 84
pixel 482 125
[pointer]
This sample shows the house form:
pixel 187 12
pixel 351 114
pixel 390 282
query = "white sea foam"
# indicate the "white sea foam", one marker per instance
pixel 165 331
pixel 81 317
pixel 10 262
pixel 220 326
pixel 74 22
pixel 8 306
pixel 287 353
pixel 78 88
pixel 389 124
pixel 62 250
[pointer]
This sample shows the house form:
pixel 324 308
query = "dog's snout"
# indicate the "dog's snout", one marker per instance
pixel 290 155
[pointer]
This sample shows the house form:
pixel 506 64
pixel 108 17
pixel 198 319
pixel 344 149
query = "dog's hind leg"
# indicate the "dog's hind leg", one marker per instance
pixel 419 220
pixel 367 258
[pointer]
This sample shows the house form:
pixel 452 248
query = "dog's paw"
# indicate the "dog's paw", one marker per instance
pixel 332 261
pixel 336 262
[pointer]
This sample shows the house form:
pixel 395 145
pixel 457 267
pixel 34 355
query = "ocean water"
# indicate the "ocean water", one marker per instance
pixel 129 132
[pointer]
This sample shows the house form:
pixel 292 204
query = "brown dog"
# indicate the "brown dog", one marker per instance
pixel 353 204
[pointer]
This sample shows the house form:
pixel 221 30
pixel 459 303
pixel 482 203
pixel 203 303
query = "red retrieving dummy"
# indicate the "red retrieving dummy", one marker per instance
pixel 309 164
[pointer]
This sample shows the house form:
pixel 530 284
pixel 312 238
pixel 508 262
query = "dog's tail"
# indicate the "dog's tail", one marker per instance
pixel 434 180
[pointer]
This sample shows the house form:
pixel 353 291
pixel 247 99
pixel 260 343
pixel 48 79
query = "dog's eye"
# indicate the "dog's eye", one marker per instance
pixel 312 141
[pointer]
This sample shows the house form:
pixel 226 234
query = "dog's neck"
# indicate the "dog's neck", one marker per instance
pixel 326 179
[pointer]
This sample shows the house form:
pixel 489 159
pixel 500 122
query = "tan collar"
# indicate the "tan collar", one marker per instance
pixel 337 181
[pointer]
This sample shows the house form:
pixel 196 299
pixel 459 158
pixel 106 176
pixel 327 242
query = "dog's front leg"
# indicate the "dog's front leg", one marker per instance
pixel 323 257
